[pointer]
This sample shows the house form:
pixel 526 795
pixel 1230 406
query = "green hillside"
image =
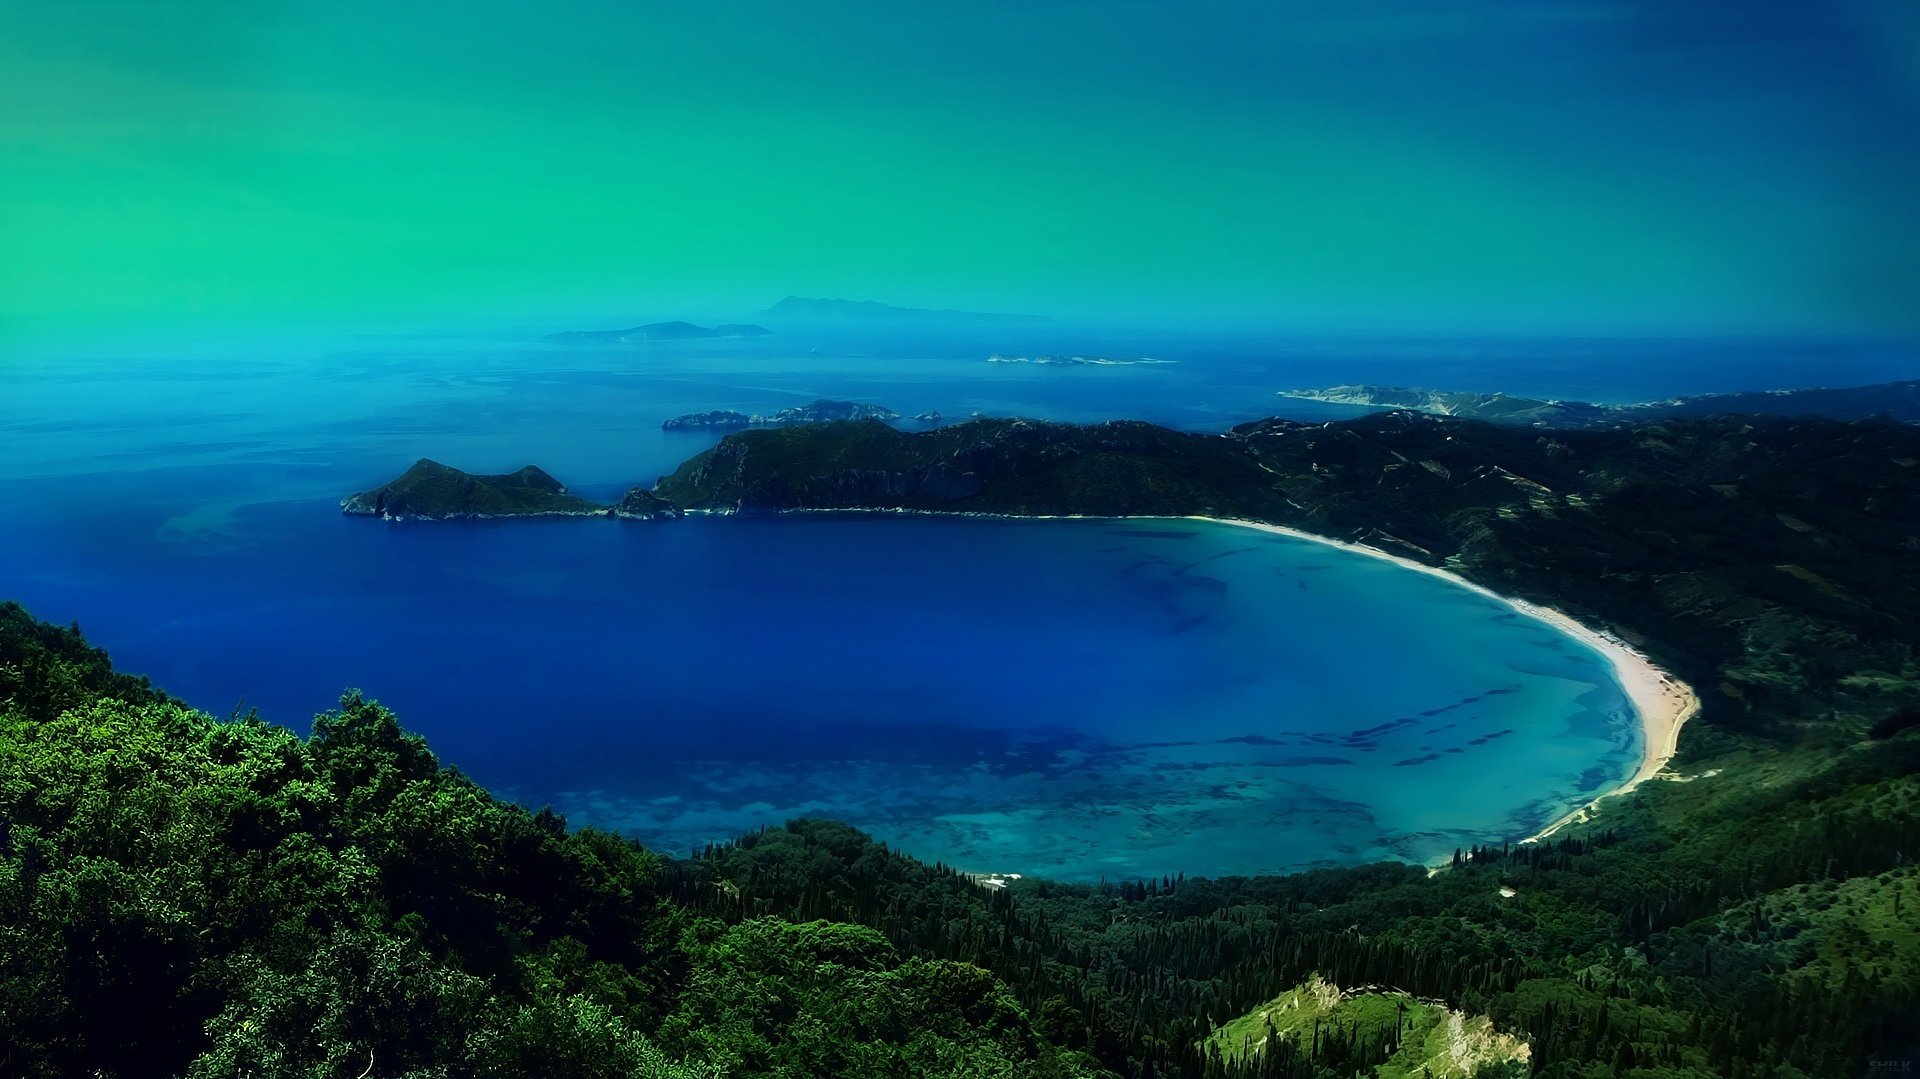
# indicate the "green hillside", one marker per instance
pixel 1419 1039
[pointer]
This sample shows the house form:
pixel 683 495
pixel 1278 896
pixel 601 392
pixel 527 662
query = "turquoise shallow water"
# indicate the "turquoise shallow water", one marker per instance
pixel 1068 698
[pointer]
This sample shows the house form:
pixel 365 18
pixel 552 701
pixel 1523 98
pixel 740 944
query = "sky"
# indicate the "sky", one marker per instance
pixel 1580 166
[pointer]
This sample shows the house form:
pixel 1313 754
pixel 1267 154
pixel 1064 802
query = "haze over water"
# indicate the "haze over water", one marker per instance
pixel 1059 698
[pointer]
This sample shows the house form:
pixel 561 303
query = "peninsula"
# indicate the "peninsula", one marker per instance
pixel 1890 400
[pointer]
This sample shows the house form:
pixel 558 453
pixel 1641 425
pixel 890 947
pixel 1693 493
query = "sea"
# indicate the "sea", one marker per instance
pixel 1074 699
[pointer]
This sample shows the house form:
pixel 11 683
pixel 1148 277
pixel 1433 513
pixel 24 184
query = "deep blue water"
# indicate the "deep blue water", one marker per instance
pixel 1073 698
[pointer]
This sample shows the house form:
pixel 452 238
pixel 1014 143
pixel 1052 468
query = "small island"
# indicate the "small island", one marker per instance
pixel 656 331
pixel 821 411
pixel 431 491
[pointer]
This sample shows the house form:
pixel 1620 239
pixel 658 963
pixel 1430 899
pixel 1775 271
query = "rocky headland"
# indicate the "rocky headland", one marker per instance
pixel 640 504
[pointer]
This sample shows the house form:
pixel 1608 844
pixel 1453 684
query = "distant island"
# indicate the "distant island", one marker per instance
pixel 821 411
pixel 656 331
pixel 1891 400
pixel 801 310
pixel 1076 361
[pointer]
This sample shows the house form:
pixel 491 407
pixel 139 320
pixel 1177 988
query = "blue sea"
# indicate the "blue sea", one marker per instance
pixel 1074 699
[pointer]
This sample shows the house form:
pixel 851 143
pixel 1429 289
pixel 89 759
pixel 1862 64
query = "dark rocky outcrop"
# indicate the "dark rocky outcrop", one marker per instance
pixel 640 504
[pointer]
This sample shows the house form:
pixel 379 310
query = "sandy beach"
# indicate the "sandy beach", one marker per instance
pixel 1663 702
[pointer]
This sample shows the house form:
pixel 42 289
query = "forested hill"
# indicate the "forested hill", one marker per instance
pixel 180 896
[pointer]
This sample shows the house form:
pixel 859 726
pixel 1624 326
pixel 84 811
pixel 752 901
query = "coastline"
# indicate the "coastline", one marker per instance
pixel 1662 702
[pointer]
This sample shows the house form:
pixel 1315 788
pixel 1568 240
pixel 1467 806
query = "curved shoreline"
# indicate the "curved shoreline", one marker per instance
pixel 1662 702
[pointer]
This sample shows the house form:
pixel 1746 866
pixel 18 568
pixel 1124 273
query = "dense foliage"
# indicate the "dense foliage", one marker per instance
pixel 185 896
pixel 180 895
pixel 989 466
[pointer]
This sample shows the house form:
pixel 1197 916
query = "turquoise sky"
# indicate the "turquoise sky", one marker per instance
pixel 1633 167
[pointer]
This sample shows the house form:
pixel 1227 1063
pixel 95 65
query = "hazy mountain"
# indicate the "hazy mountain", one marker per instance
pixel 799 310
pixel 657 331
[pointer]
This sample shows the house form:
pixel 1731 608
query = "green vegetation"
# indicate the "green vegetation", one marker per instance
pixel 1420 1038
pixel 433 491
pixel 180 895
pixel 983 466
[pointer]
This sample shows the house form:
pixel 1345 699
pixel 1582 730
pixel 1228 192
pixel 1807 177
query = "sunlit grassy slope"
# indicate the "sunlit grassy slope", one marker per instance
pixel 1433 1040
